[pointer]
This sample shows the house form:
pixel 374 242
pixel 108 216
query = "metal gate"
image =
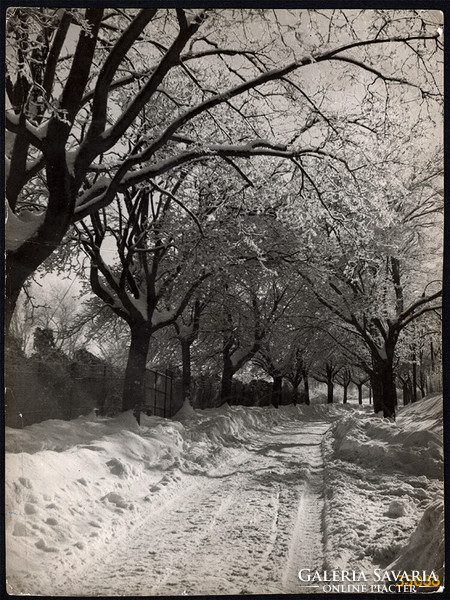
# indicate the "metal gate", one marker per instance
pixel 159 392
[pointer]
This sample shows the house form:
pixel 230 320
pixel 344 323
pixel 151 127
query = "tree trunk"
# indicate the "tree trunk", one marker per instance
pixel 384 391
pixel 134 384
pixel 359 386
pixel 227 378
pixel 414 378
pixel 295 394
pixel 277 389
pixel 389 391
pixel 306 387
pixel 377 392
pixel 345 392
pixel 186 363
pixel 330 390
pixel 406 392
pixel 430 383
pixel 422 384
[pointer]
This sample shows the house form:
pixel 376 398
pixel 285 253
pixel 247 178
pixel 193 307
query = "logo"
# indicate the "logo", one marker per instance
pixel 379 581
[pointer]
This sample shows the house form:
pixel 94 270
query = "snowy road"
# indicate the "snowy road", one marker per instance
pixel 222 501
pixel 246 527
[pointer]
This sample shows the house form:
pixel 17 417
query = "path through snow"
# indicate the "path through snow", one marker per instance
pixel 221 501
pixel 247 526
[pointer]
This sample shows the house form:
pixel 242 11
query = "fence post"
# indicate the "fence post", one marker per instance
pixel 155 389
pixel 165 395
pixel 104 392
pixel 171 396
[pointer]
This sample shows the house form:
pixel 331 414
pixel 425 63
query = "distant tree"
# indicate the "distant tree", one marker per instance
pixel 326 373
pixel 254 302
pixel 46 349
pixel 44 341
pixel 285 353
pixel 267 362
pixel 295 372
pixel 380 335
pixel 360 377
pixel 110 339
pixel 344 378
pixel 417 364
pixel 187 328
pixel 50 308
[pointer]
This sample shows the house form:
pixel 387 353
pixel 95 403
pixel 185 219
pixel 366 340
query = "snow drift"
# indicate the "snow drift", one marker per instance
pixel 74 487
pixel 413 444
pixel 384 489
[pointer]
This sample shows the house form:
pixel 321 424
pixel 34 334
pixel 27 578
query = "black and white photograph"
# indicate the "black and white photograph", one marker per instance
pixel 224 238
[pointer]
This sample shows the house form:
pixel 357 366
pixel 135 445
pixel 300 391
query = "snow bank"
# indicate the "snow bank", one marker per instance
pixel 425 550
pixel 413 444
pixel 384 489
pixel 74 487
pixel 425 414
pixel 185 412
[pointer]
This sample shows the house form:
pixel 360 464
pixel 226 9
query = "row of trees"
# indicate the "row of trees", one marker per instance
pixel 256 194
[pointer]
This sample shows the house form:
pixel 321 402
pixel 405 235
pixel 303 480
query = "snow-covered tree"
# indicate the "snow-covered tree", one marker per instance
pixel 374 265
pixel 77 81
pixel 145 265
pixel 360 378
pixel 187 327
pixel 253 302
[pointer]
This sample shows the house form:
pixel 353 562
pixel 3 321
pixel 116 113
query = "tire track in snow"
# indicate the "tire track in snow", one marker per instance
pixel 299 541
pixel 306 549
pixel 246 528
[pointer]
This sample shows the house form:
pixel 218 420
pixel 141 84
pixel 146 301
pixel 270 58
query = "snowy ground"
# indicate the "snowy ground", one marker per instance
pixel 223 501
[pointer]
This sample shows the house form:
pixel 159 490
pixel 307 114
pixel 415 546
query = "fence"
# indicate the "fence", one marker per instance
pixel 163 396
pixel 37 391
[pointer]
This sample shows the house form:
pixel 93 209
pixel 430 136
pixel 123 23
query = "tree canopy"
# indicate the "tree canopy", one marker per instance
pixel 256 151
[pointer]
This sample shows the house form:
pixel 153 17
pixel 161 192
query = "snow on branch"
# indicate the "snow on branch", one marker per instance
pixel 102 192
pixel 112 136
pixel 411 313
pixel 180 204
pixel 109 69
pixel 18 124
pixel 379 74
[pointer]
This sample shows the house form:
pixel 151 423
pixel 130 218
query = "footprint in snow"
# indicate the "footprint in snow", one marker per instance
pixel 94 524
pixel 79 545
pixel 30 509
pixel 25 482
pixel 41 545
